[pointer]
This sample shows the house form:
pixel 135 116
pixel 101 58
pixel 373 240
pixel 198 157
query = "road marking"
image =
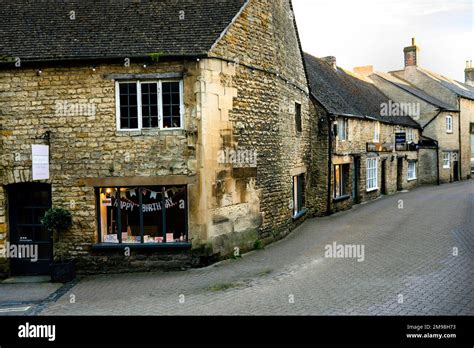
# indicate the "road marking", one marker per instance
pixel 14 309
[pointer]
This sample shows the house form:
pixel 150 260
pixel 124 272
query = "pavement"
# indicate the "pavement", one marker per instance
pixel 418 260
pixel 21 295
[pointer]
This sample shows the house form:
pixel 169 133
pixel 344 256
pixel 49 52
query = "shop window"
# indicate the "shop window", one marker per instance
pixel 151 104
pixel 372 178
pixel 341 178
pixel 298 117
pixel 411 170
pixel 298 195
pixel 132 215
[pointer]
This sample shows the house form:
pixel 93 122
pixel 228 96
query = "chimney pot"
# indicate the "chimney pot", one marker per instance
pixel 411 54
pixel 469 73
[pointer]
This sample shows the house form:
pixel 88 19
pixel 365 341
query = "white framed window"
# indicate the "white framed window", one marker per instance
pixel 410 135
pixel 342 129
pixel 372 177
pixel 377 132
pixel 149 104
pixel 449 124
pixel 411 170
pixel 447 160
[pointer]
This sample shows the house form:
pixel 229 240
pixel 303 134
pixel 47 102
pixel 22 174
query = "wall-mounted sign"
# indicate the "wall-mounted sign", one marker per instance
pixel 400 138
pixel 106 202
pixel 40 162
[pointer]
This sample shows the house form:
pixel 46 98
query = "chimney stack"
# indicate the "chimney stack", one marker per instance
pixel 364 70
pixel 411 54
pixel 331 60
pixel 469 73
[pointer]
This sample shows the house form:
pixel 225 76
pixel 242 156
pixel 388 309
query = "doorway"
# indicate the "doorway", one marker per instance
pixel 27 205
pixel 456 171
pixel 399 174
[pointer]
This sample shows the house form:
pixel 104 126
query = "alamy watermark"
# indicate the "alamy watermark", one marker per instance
pixel 65 108
pixel 239 157
pixel 400 109
pixel 345 251
pixel 20 251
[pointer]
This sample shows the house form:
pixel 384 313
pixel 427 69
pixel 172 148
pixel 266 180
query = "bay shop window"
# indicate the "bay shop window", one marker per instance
pixel 139 215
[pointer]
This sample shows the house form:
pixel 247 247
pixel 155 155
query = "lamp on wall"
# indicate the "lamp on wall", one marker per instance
pixel 39 72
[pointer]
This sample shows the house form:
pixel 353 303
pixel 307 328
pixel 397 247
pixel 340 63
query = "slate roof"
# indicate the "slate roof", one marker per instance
pixel 41 30
pixel 344 94
pixel 406 86
pixel 454 86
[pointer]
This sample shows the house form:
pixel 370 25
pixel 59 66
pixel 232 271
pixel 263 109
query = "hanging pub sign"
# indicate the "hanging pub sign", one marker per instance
pixel 400 138
pixel 40 162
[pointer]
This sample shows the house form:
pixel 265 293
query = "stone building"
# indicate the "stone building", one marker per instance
pixel 371 152
pixel 460 96
pixel 180 148
pixel 439 122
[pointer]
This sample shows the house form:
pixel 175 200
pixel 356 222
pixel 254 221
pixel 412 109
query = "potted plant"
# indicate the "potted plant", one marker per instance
pixel 58 220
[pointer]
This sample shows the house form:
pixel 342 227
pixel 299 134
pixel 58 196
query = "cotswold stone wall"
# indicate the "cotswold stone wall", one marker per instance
pixel 84 146
pixel 269 79
pixel 318 186
pixel 448 142
pixel 361 132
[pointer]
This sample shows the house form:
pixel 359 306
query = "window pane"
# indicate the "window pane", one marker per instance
pixel 130 214
pixel 128 105
pixel 171 105
pixel 108 215
pixel 175 208
pixel 152 215
pixel 337 181
pixel 150 105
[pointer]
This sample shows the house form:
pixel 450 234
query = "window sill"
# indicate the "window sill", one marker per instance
pixel 372 189
pixel 413 179
pixel 300 214
pixel 341 198
pixel 115 246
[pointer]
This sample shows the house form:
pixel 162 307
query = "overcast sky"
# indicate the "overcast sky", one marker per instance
pixel 374 32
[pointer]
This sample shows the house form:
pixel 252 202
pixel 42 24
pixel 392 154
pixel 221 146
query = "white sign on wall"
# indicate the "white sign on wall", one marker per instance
pixel 40 159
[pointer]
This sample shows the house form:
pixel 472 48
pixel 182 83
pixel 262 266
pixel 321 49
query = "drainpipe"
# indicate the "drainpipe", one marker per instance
pixel 459 169
pixel 330 139
pixel 437 157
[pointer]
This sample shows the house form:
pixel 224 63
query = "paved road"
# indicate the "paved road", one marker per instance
pixel 409 268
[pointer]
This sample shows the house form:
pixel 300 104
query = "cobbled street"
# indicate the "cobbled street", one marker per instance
pixel 418 260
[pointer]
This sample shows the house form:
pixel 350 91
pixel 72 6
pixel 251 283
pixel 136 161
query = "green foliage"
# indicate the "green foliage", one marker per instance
pixel 258 245
pixel 57 219
pixel 155 57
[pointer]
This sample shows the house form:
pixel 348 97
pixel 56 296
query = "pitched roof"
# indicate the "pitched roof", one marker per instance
pixel 408 87
pixel 454 86
pixel 42 30
pixel 344 94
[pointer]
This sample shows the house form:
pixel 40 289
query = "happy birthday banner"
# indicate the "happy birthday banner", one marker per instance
pixel 170 202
